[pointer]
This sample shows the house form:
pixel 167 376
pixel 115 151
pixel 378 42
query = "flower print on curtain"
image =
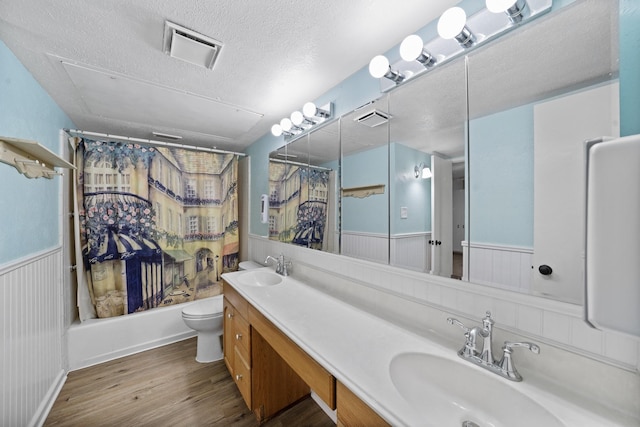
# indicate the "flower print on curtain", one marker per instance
pixel 157 226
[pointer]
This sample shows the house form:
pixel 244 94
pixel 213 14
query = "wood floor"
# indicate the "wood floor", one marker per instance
pixel 164 387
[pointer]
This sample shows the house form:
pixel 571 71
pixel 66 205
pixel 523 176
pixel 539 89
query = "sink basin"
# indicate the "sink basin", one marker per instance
pixel 449 392
pixel 260 278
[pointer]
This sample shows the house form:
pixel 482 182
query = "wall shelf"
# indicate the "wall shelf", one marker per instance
pixel 30 158
pixel 364 191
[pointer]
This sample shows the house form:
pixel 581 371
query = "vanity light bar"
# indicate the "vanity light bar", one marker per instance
pixel 300 123
pixel 457 34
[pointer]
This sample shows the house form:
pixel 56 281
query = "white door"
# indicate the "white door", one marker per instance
pixel 441 217
pixel 561 127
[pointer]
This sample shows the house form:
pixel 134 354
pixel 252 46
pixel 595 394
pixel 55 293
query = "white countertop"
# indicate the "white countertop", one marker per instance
pixel 357 348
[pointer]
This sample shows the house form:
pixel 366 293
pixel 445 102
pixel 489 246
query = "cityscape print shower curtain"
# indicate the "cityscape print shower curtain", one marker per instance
pixel 156 226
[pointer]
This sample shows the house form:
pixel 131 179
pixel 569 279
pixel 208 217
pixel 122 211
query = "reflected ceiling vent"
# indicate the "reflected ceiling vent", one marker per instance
pixel 189 46
pixel 373 118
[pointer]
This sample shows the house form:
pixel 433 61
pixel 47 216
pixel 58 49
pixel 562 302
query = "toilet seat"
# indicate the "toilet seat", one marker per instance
pixel 203 309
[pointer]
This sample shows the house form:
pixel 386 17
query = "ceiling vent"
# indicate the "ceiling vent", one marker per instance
pixel 189 46
pixel 373 118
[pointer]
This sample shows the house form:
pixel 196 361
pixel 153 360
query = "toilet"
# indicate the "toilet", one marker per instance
pixel 248 265
pixel 205 317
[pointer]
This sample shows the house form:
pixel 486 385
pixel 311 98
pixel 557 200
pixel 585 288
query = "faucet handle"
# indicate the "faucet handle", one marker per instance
pixel 506 364
pixel 509 346
pixel 452 321
pixel 469 349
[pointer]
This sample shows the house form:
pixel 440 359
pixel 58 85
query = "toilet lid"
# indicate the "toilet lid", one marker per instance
pixel 204 307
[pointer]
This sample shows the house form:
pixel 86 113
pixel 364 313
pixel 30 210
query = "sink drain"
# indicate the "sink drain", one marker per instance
pixel 469 424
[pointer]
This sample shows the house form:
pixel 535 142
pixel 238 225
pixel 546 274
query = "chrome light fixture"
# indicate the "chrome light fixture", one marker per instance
pixel 309 110
pixel 514 9
pixel 422 171
pixel 453 25
pixel 412 49
pixel 379 67
pixel 301 122
pixel 498 18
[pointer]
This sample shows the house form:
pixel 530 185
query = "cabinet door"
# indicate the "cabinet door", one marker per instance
pixel 228 336
pixel 353 412
pixel 561 128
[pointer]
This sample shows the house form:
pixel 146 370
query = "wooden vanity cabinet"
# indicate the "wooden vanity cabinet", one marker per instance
pixel 272 372
pixel 237 345
pixel 267 383
pixel 353 412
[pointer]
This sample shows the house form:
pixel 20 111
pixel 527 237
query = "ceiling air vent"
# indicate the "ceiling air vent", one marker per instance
pixel 189 46
pixel 373 118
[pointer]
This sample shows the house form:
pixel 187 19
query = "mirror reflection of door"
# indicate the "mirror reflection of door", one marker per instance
pixel 441 216
pixel 427 130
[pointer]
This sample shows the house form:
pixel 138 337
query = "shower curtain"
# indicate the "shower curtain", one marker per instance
pixel 155 226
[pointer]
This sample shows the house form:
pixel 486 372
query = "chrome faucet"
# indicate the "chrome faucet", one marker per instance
pixel 282 266
pixel 484 358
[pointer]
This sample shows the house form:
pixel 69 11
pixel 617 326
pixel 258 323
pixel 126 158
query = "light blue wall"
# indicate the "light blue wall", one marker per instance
pixel 409 192
pixel 501 178
pixel 629 67
pixel 29 218
pixel 369 214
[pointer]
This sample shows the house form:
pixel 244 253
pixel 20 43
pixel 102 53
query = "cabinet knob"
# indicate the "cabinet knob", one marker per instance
pixel 238 336
pixel 545 270
pixel 229 315
pixel 238 377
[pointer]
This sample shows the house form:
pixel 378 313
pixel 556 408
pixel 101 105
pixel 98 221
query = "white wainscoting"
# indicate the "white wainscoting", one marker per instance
pixel 506 267
pixel 32 334
pixel 411 251
pixel 368 246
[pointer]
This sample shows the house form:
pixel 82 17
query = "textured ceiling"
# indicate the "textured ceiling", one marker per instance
pixel 102 61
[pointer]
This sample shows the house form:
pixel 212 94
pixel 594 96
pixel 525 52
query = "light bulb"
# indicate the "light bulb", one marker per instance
pixel 379 66
pixel 452 22
pixel 411 47
pixel 309 109
pixel 286 124
pixel 297 118
pixel 276 130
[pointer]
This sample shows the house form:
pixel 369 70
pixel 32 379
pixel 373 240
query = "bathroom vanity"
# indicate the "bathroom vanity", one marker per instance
pixel 272 372
pixel 284 338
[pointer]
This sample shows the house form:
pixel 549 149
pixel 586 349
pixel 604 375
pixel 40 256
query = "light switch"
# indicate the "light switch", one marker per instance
pixel 403 213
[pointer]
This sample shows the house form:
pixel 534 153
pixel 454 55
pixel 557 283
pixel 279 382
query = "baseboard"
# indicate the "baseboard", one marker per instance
pixel 50 398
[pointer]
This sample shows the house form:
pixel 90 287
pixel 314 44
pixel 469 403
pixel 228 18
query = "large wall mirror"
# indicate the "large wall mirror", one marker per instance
pixel 303 186
pixel 501 130
pixel 534 98
pixel 427 136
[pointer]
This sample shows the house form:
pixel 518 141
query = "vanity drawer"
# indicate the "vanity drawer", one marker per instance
pixel 242 337
pixel 239 303
pixel 242 376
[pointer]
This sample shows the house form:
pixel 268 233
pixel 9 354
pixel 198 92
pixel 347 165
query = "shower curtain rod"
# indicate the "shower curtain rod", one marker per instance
pixel 152 142
pixel 289 162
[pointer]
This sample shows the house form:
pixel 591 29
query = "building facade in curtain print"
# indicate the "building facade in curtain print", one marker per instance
pixel 158 225
pixel 298 204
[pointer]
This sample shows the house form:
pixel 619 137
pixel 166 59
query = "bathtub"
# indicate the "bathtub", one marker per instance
pixel 99 340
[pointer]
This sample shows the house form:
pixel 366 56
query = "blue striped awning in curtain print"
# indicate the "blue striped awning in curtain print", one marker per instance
pixel 123 246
